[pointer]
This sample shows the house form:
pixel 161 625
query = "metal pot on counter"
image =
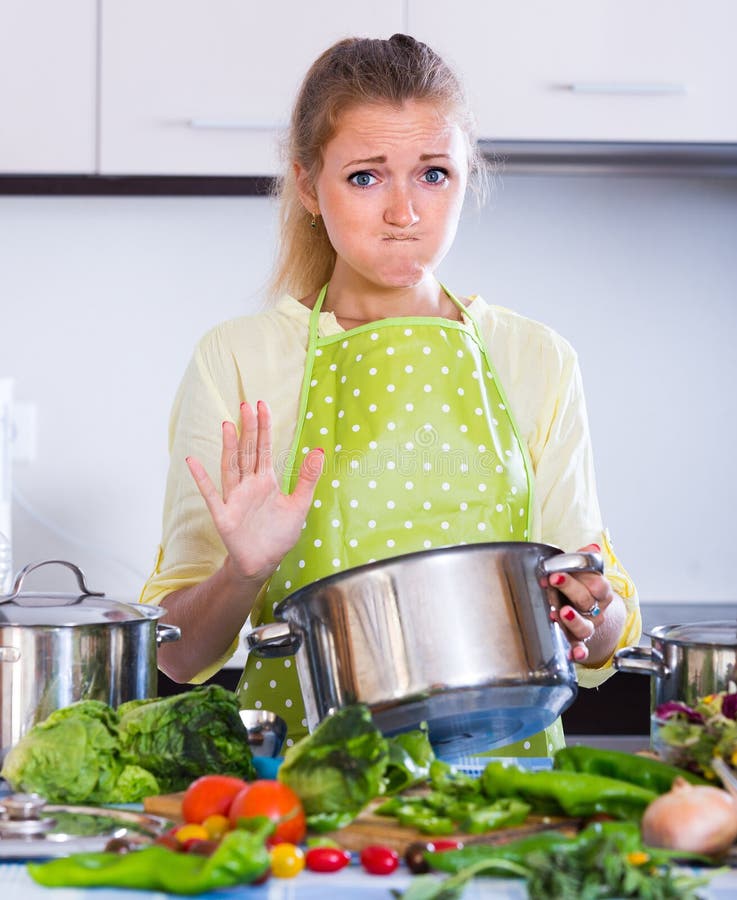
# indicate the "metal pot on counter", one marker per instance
pixel 458 637
pixel 57 648
pixel 686 662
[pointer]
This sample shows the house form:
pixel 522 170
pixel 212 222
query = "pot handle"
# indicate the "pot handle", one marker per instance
pixel 15 593
pixel 644 660
pixel 273 640
pixel 573 562
pixel 165 634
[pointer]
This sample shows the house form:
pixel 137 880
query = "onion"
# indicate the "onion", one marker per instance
pixel 696 818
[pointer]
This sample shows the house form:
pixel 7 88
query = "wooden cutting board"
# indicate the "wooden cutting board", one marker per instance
pixel 369 828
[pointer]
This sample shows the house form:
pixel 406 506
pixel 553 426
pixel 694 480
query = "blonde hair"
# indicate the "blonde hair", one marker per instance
pixel 352 72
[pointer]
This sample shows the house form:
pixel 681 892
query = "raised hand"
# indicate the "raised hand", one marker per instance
pixel 257 522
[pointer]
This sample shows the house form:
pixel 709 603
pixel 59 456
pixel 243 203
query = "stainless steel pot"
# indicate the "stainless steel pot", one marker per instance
pixel 458 637
pixel 686 661
pixel 57 648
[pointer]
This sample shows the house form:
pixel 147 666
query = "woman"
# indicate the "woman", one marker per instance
pixel 378 414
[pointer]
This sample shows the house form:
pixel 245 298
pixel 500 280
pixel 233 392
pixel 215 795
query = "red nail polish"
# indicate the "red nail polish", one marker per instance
pixel 557 579
pixel 569 615
pixel 596 547
pixel 320 449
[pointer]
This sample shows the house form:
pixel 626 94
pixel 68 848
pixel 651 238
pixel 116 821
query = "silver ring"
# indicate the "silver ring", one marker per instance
pixel 593 612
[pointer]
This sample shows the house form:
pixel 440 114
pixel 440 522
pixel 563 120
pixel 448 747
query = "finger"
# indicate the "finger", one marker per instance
pixel 309 474
pixel 583 590
pixel 577 627
pixel 247 440
pixel 263 440
pixel 229 475
pixel 579 651
pixel 206 487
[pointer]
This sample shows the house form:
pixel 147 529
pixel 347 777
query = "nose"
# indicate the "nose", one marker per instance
pixel 400 210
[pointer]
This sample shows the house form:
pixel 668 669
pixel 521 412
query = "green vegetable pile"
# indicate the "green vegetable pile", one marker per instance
pixel 89 752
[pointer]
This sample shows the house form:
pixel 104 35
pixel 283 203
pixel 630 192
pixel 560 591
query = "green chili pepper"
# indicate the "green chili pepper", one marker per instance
pixel 567 793
pixel 240 858
pixel 641 770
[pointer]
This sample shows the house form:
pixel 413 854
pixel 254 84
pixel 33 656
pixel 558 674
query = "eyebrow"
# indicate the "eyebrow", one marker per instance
pixel 424 157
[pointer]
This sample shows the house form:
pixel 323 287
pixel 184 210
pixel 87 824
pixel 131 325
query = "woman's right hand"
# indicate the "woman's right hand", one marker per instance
pixel 257 522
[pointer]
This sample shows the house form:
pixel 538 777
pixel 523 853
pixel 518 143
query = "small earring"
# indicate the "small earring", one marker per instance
pixel 313 223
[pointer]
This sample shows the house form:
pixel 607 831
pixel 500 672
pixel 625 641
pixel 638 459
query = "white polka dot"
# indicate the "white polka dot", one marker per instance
pixel 305 450
pixel 344 344
pixel 309 414
pixel 287 663
pixel 499 507
pixel 245 685
pixel 391 426
pixel 390 504
pixel 445 525
pixel 391 388
pixel 373 559
pixel 372 484
pixel 304 723
pixel 354 504
pixel 482 487
pixel 288 704
pixel 258 664
pixel 550 748
pixel 328 399
pixel 352 542
pixel 524 533
pixel 359 357
pixel 445 446
pixel 374 336
pixel 390 543
pixel 445 370
pixel 427 351
pixel 464 506
pixel 373 370
pixel 373 445
pixel 409 485
pixel 481 526
pixel 355 427
pixel 336 563
pixel 427 544
pixel 427 505
pixel 482 448
pixel 335 523
pixel 390 464
pixel 502 406
pixel 301 564
pixel 335 483
pixel 408 331
pixel 257 704
pixel 445 486
pixel 514 488
pixel 463 467
pixel 409 446
pixel 323 430
pixel 521 512
pixel 408 524
pixel 272 683
pixel 427 466
pixel 318 352
pixel 371 523
pixel 409 406
pixel 372 407
pixel 287 584
pixel 390 351
pixel 317 504
pixel 443 333
pixel 317 542
pixel 464 428
pixel 459 354
pixel 427 388
pixel 499 469
pixel 475 375
pixel 313 383
pixel 354 464
pixel 409 369
pixel 526 745
pixel 488 374
pixel 333 367
pixel 479 411
pixel 343 379
pixel 445 408
pixel 427 427
pixel 290 742
pixel 356 392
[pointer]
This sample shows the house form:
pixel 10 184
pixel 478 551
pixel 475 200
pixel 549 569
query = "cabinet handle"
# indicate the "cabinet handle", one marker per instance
pixel 234 125
pixel 624 87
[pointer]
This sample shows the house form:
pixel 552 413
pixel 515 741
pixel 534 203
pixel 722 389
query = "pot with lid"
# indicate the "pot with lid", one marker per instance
pixel 57 648
pixel 686 662
pixel 459 637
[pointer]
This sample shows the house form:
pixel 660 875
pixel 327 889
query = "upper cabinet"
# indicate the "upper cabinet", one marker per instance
pixel 205 87
pixel 48 71
pixel 577 70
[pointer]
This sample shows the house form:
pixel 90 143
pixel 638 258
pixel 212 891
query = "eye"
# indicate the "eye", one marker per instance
pixel 435 176
pixel 362 179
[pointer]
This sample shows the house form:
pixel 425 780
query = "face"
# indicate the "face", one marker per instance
pixel 390 192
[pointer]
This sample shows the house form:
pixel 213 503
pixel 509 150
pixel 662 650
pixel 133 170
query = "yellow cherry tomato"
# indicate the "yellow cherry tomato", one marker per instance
pixel 287 860
pixel 191 832
pixel 216 826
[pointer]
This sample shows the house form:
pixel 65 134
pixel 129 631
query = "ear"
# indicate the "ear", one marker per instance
pixel 305 189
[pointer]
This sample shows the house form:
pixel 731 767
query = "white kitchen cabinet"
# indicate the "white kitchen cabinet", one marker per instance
pixel 48 59
pixel 591 70
pixel 203 87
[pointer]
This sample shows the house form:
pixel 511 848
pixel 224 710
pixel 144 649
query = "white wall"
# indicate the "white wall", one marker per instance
pixel 102 300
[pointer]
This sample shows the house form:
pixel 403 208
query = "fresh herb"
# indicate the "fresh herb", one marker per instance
pixel 410 758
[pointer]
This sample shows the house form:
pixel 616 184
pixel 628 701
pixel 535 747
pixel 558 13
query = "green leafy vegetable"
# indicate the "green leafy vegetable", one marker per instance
pixel 181 737
pixel 410 758
pixel 338 768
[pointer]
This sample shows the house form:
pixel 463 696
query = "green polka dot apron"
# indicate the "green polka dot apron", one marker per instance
pixel 421 451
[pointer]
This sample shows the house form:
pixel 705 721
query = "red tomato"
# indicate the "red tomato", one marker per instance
pixel 210 795
pixel 440 845
pixel 279 803
pixel 378 860
pixel 327 859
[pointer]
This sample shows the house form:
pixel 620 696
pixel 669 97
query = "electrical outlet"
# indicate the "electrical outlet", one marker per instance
pixel 24 432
